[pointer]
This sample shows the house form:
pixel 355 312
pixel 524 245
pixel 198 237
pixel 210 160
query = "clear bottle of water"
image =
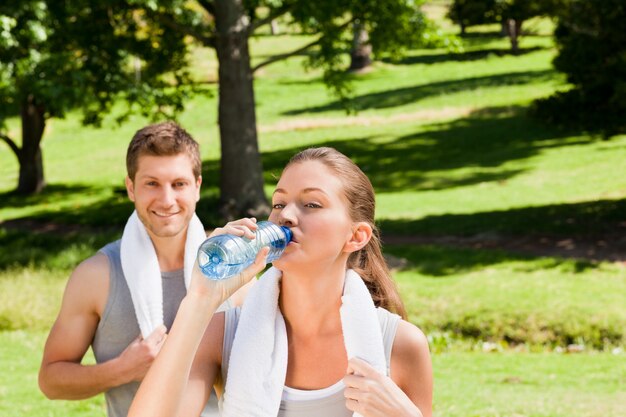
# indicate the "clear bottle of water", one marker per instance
pixel 223 256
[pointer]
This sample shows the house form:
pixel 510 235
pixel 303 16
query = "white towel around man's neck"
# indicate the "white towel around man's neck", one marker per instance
pixel 258 360
pixel 142 272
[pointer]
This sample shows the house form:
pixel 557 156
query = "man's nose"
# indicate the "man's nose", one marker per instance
pixel 167 197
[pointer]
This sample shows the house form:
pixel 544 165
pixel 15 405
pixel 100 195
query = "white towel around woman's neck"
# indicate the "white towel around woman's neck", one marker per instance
pixel 258 360
pixel 142 272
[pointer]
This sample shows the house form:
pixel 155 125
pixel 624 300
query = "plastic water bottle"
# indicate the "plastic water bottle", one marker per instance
pixel 223 256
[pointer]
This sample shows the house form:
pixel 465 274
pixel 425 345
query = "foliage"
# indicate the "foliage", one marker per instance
pixel 477 12
pixel 592 53
pixel 467 13
pixel 523 9
pixel 86 54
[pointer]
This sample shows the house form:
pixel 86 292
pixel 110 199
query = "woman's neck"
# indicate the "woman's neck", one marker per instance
pixel 310 301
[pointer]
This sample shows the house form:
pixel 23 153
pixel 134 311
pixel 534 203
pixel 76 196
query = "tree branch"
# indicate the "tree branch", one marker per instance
pixel 187 30
pixel 209 6
pixel 285 8
pixel 286 55
pixel 280 57
pixel 11 144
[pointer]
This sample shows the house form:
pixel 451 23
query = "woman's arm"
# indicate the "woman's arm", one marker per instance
pixel 408 393
pixel 175 375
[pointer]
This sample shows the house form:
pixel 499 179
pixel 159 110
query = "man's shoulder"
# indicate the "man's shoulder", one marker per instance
pixel 88 286
pixel 111 248
pixel 96 268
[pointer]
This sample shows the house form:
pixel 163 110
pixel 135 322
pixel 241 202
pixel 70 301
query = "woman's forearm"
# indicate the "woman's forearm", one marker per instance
pixel 161 391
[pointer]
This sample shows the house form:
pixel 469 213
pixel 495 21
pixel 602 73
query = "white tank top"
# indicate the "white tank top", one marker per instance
pixel 327 402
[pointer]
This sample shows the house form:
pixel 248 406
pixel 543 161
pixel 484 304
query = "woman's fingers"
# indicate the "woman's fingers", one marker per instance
pixel 242 227
pixel 258 265
pixel 360 367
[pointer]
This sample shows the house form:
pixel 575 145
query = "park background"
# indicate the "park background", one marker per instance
pixel 505 233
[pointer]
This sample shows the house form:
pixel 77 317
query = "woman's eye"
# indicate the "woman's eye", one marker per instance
pixel 278 206
pixel 313 205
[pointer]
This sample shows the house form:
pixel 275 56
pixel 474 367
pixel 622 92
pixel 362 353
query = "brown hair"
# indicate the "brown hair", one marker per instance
pixel 162 139
pixel 368 262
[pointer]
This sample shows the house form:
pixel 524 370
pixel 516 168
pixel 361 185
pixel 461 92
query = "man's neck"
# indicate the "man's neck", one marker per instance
pixel 170 251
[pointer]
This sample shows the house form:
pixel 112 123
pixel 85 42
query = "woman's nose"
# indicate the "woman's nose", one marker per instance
pixel 287 216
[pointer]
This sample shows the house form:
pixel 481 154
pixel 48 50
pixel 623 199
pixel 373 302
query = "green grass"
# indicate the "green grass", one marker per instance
pixel 466 384
pixel 533 385
pixel 446 140
pixel 512 299
pixel 20 357
pixel 448 145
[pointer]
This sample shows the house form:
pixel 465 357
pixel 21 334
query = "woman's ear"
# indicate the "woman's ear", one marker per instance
pixel 361 235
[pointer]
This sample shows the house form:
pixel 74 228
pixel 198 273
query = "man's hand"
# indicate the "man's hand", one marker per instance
pixel 136 359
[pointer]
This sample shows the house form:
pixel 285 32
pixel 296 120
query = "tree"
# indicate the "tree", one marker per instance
pixel 511 14
pixel 57 56
pixel 227 25
pixel 592 53
pixel 361 51
pixel 116 31
pixel 467 13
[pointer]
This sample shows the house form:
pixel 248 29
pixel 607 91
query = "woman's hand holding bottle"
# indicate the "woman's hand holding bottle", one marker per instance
pixel 220 290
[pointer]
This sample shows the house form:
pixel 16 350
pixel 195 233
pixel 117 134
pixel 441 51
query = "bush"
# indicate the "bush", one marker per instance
pixel 592 53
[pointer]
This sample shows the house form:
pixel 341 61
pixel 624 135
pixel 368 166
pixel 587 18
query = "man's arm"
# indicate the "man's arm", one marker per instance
pixel 62 376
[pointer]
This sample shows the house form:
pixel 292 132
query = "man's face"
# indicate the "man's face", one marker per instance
pixel 165 193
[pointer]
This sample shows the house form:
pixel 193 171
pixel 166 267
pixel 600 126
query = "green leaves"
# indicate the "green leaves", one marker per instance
pixel 592 52
pixel 86 54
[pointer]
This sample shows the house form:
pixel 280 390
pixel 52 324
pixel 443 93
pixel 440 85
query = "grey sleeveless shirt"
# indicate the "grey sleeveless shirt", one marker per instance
pixel 333 405
pixel 118 326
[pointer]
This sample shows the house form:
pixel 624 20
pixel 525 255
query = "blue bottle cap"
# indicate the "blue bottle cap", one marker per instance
pixel 288 233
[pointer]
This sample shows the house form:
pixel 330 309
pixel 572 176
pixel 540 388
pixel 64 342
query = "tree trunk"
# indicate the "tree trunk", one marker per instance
pixel 360 55
pixel 31 178
pixel 514 27
pixel 241 172
pixel 274 28
pixel 504 28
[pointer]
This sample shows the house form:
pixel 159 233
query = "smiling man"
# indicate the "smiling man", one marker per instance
pixel 99 307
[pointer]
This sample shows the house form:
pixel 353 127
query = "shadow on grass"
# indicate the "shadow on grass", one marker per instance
pixel 429 59
pixel 444 261
pixel 98 207
pixel 592 220
pixel 52 193
pixel 49 250
pixel 478 146
pixel 401 96
pixel 437 157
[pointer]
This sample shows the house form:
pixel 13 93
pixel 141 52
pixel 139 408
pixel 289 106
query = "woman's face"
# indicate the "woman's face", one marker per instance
pixel 309 199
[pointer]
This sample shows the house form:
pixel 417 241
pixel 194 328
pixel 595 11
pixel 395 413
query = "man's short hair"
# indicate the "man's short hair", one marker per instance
pixel 162 139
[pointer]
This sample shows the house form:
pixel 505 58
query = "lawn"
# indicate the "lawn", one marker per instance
pixel 466 384
pixel 447 142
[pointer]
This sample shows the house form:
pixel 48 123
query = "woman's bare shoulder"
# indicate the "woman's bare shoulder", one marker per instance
pixel 410 341
pixel 410 355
